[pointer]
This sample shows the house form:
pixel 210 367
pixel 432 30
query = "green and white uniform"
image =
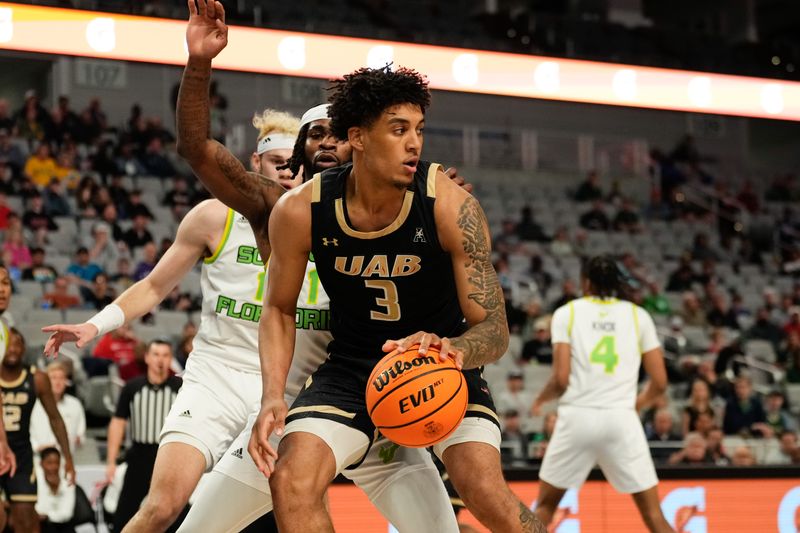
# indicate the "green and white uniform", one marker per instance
pixel 222 381
pixel 597 420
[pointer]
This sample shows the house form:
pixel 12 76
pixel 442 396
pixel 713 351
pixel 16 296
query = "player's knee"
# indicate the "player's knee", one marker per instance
pixel 293 483
pixel 478 493
pixel 159 510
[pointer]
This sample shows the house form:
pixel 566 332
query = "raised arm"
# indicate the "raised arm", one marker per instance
pixel 464 232
pixel 290 236
pixel 202 225
pixel 220 171
pixel 45 395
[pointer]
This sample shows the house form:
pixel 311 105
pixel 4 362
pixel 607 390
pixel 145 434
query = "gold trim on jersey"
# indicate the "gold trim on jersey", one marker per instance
pixel 431 181
pixel 636 327
pixel 571 318
pixel 329 409
pixel 225 234
pixel 27 498
pixel 401 218
pixel 17 382
pixel 316 188
pixel 482 409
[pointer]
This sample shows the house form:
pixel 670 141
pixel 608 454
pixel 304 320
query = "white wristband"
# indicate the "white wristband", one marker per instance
pixel 109 319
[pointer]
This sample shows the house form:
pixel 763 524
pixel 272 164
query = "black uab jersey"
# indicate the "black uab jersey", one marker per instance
pixel 384 284
pixel 18 399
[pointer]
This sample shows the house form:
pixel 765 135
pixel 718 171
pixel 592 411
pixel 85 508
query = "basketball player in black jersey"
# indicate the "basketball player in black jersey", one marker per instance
pixel 401 251
pixel 21 387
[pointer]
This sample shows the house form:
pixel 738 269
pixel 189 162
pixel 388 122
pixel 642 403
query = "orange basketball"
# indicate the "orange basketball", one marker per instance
pixel 416 400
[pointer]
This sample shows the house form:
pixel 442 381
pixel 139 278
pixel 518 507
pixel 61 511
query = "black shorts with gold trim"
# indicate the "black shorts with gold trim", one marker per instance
pixel 22 486
pixel 335 392
pixel 480 403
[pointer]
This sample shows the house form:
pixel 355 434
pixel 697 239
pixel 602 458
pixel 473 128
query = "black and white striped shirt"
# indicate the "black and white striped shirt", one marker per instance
pixel 146 406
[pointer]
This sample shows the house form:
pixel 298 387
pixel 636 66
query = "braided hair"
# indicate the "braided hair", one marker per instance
pixel 605 279
pixel 298 158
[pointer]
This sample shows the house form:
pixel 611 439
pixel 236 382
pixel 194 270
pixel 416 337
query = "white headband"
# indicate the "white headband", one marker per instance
pixel 315 113
pixel 275 141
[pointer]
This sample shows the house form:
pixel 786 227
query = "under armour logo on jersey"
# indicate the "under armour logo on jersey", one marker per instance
pixel 238 453
pixel 326 242
pixel 186 414
pixel 419 235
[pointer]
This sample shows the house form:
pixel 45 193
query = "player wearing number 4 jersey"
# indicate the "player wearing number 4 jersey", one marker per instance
pixel 599 344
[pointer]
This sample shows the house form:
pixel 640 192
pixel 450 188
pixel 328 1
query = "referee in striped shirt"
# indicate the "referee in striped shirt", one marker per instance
pixel 144 402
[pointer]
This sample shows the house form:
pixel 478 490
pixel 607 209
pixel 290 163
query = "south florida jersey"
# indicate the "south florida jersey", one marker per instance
pixel 233 281
pixel 19 396
pixel 383 284
pixel 607 338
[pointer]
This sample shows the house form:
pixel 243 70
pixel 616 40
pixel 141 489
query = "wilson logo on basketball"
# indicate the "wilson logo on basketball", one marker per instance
pixel 397 370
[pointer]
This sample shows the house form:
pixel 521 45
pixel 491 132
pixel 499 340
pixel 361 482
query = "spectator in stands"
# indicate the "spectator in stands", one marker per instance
pixel 5 297
pixel 790 357
pixel 119 194
pixel 568 293
pixel 787 452
pixel 138 235
pixel 721 315
pixel 743 456
pixel 514 397
pixel 60 297
pixel 16 254
pixel 103 249
pixel 82 271
pixel 513 439
pixel 692 312
pixel 627 218
pixel 101 294
pixel 137 367
pixel 683 277
pixel 765 329
pixel 748 197
pixel 55 202
pixel 542 439
pixel 148 262
pixel 715 446
pixel 110 218
pixel 655 302
pixel 11 153
pixel 127 161
pixel 744 414
pixel 69 119
pixel 507 240
pixel 663 426
pixel 177 301
pixel 539 348
pixel 69 407
pixel 37 221
pixel 123 276
pixel 137 207
pixel 777 417
pixel 84 194
pixel 539 275
pixel 595 219
pixel 116 347
pixel 702 249
pixel 97 116
pixel 180 198
pixel 717 341
pixel 793 325
pixel 589 190
pixel 40 167
pixel 39 270
pixel 527 229
pixel 185 344
pixel 694 452
pixel 698 403
pixel 32 120
pixel 55 496
pixel 560 245
pixel 155 160
pixel 6 120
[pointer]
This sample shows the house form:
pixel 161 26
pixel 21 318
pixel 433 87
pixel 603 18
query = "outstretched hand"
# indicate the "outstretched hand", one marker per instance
pixel 207 33
pixel 80 334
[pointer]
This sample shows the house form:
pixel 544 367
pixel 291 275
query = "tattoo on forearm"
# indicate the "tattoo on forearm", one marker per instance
pixel 484 342
pixel 529 521
pixel 192 109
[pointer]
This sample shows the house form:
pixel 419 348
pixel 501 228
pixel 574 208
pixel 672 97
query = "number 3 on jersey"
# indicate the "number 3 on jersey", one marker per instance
pixel 605 353
pixel 389 301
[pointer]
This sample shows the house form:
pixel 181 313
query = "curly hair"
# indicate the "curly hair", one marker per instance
pixel 271 121
pixel 298 158
pixel 359 98
pixel 604 276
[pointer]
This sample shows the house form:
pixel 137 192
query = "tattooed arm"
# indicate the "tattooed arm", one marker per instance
pixel 464 233
pixel 220 171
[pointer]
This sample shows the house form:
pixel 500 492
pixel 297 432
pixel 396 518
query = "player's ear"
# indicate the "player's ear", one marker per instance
pixel 356 137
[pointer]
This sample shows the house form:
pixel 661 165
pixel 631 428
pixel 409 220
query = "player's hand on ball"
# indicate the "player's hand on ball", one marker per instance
pixel 206 34
pixel 425 340
pixel 272 417
pixel 80 334
pixel 452 173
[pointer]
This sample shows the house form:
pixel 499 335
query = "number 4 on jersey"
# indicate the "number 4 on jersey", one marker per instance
pixel 605 353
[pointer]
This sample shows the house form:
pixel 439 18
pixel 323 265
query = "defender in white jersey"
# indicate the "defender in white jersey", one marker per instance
pixel 599 343
pixel 221 384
